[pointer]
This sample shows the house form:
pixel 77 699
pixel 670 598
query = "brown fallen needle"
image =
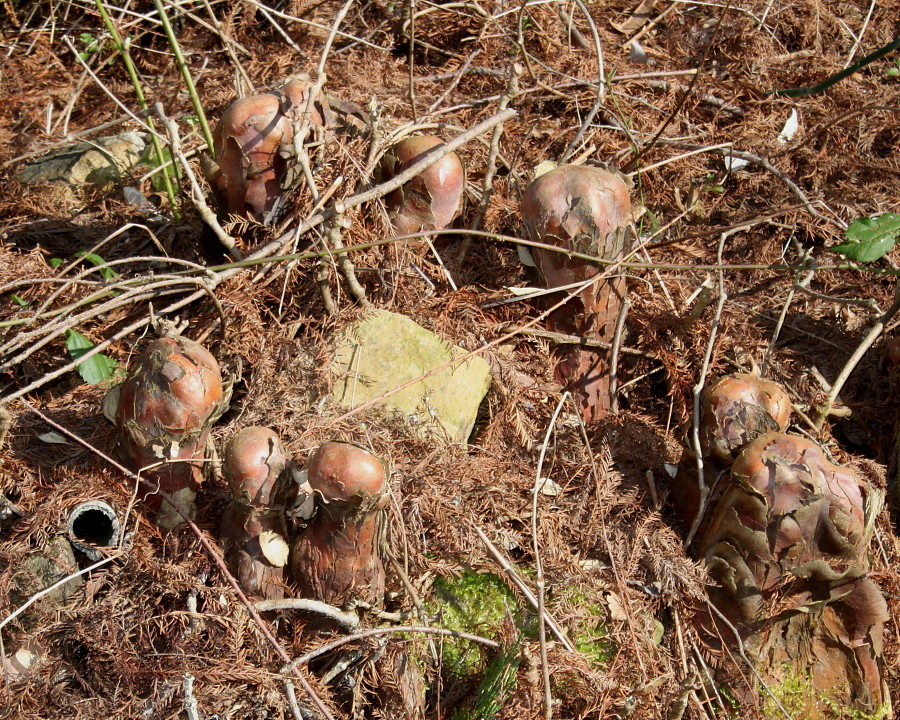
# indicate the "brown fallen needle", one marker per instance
pixel 210 548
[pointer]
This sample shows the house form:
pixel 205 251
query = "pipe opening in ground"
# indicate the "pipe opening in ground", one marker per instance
pixel 95 524
pixel 94 528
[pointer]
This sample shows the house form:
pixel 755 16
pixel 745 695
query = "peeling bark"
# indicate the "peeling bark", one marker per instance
pixel 252 141
pixel 253 528
pixel 431 200
pixel 584 210
pixel 734 410
pixel 786 544
pixel 164 412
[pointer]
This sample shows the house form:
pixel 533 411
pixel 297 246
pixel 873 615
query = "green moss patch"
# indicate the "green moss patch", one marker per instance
pixel 588 633
pixel 476 603
pixel 802 699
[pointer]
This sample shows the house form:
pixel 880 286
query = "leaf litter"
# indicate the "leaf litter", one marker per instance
pixel 613 556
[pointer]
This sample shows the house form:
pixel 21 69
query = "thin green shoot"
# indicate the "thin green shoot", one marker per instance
pixel 92 45
pixel 107 272
pixel 499 680
pixel 123 49
pixel 186 74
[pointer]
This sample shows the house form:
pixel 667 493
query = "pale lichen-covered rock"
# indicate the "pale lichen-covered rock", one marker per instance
pixel 41 569
pixel 97 162
pixel 385 350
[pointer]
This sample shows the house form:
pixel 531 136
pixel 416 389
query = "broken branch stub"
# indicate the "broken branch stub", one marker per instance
pixel 164 412
pixel 253 528
pixel 734 410
pixel 337 559
pixel 431 200
pixel 584 210
pixel 786 546
pixel 251 141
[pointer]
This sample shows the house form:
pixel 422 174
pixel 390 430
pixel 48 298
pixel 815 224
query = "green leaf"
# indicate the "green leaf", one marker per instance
pixel 94 259
pixel 19 301
pixel 55 262
pixel 96 368
pixel 870 239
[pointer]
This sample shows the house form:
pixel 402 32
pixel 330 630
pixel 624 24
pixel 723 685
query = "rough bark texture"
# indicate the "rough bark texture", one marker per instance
pixel 585 210
pixel 243 530
pixel 164 412
pixel 786 546
pixel 338 557
pixel 253 528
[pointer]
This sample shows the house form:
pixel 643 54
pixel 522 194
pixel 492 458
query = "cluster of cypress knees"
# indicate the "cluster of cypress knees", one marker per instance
pixel 164 412
pixel 783 532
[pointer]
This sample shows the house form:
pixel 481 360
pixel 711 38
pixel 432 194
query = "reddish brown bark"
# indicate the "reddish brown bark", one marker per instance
pixel 252 143
pixel 584 210
pixel 734 410
pixel 431 200
pixel 786 546
pixel 164 412
pixel 338 558
pixel 253 527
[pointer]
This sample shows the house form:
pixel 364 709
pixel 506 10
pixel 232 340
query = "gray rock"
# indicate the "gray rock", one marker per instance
pixel 97 162
pixel 43 568
pixel 384 350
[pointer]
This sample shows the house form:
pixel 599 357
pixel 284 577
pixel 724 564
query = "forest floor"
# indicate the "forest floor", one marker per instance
pixel 742 193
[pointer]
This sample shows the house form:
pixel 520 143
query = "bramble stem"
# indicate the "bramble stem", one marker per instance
pixel 122 49
pixel 186 74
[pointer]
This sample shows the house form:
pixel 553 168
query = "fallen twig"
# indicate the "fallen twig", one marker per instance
pixel 698 390
pixel 329 646
pixel 197 195
pixel 614 361
pixel 487 187
pixel 825 408
pixel 349 620
pixel 520 583
pixel 573 339
pixel 743 653
pixel 538 566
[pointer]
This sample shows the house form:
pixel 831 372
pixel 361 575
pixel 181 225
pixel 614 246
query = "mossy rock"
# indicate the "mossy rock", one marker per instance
pixel 383 351
pixel 40 570
pixel 99 162
pixel 589 633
